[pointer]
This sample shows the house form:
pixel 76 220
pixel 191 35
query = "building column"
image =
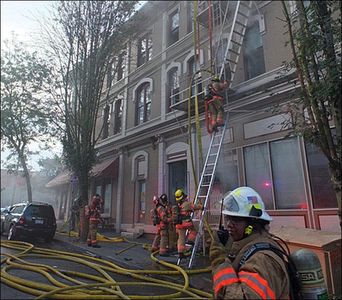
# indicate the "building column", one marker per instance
pixel 119 193
pixel 161 166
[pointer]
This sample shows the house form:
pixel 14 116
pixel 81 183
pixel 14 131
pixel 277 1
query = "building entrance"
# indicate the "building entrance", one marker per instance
pixel 177 178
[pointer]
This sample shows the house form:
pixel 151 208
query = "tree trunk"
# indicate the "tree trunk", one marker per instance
pixel 27 179
pixel 336 181
pixel 83 186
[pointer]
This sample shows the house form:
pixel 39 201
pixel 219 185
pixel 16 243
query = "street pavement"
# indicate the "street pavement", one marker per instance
pixel 129 254
pixel 136 257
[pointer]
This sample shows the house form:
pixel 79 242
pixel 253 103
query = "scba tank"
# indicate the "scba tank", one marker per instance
pixel 311 274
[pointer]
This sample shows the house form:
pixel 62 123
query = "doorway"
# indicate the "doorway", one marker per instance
pixel 177 178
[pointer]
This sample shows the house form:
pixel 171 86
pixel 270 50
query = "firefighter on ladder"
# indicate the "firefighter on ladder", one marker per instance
pixel 93 214
pixel 161 218
pixel 183 221
pixel 214 103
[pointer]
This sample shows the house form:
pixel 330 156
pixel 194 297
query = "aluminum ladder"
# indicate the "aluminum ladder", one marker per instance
pixel 231 56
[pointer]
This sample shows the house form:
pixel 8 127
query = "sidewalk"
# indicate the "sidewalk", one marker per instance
pixel 133 256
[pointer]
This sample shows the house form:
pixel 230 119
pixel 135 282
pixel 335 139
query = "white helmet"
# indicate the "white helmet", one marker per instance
pixel 245 202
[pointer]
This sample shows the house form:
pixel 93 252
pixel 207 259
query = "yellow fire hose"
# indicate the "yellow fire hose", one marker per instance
pixel 100 286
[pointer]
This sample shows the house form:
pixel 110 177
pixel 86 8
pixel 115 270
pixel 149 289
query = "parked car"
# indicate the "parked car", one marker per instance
pixel 29 219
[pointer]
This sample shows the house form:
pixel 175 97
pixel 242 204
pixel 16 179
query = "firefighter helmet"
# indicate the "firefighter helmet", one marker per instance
pixel 163 198
pixel 245 202
pixel 179 194
pixel 215 78
pixel 155 200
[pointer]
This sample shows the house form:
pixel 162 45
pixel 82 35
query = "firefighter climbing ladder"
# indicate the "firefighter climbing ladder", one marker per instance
pixel 231 56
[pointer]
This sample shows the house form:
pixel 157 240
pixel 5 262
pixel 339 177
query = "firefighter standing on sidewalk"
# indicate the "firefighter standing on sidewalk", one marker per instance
pixel 183 221
pixel 93 213
pixel 161 218
pixel 262 275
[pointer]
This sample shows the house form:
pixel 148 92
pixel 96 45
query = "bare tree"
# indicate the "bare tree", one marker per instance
pixel 315 39
pixel 25 107
pixel 85 38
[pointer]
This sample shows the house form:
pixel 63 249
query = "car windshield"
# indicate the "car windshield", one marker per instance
pixel 39 211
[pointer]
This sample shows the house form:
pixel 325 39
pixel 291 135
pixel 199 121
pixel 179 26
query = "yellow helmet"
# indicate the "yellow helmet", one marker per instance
pixel 215 78
pixel 179 194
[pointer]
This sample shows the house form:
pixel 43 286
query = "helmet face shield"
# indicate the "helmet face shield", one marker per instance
pixel 245 202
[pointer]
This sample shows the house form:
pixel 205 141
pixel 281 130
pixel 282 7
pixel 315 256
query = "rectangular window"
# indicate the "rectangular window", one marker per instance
pixel 254 61
pixel 173 27
pixel 107 198
pixel 144 49
pixel 142 200
pixel 106 122
pixel 288 180
pixel 117 108
pixel 323 195
pixel 190 12
pixel 258 174
pixel 120 67
pixel 280 161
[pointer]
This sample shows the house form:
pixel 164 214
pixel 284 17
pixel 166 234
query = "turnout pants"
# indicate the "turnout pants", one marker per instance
pixel 181 231
pixel 161 240
pixel 91 240
pixel 216 111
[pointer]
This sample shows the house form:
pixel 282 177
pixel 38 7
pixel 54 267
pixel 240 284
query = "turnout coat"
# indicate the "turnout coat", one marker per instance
pixel 263 276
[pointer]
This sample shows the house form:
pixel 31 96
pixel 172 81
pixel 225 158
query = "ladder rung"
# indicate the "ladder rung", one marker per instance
pixel 233 51
pixel 238 32
pixel 232 61
pixel 239 44
pixel 214 154
pixel 201 196
pixel 242 14
pixel 208 174
pixel 205 185
pixel 240 23
pixel 210 164
pixel 215 145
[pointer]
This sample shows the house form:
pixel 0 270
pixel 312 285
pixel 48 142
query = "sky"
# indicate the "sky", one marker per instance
pixel 20 17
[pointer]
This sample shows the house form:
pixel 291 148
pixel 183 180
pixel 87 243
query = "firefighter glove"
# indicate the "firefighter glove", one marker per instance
pixel 217 253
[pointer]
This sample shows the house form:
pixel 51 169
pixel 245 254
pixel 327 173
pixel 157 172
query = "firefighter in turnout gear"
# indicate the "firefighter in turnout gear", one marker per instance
pixel 183 221
pixel 262 275
pixel 93 214
pixel 214 102
pixel 161 218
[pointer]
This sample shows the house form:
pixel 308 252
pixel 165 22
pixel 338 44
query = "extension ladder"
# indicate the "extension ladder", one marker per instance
pixel 231 56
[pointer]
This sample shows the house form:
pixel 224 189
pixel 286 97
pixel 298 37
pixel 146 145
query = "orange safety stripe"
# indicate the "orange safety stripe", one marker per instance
pixel 224 283
pixel 258 284
pixel 223 278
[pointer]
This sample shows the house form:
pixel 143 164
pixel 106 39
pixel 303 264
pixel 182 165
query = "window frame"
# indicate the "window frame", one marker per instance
pixel 173 94
pixel 173 33
pixel 145 47
pixel 145 105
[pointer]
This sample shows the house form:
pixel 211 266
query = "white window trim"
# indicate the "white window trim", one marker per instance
pixel 134 160
pixel 144 80
pixel 189 56
pixel 178 65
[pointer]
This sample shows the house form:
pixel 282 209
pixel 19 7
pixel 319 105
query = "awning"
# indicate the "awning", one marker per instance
pixel 105 168
pixel 60 179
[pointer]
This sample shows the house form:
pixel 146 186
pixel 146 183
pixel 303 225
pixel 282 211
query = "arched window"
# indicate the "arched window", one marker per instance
pixel 191 72
pixel 143 103
pixel 173 86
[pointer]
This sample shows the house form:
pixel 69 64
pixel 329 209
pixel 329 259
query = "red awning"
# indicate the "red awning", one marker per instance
pixel 105 168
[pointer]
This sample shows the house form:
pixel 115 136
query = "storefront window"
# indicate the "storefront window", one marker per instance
pixel 323 195
pixel 280 161
pixel 258 174
pixel 287 172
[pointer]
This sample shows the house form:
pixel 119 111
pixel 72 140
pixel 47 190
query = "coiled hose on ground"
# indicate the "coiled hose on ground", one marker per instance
pixel 67 284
